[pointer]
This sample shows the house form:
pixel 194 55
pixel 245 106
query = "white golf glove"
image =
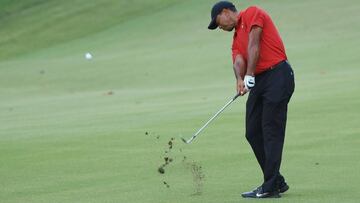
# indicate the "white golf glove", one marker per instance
pixel 249 81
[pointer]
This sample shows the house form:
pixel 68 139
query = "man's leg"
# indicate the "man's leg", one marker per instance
pixel 254 127
pixel 275 103
pixel 274 121
pixel 254 134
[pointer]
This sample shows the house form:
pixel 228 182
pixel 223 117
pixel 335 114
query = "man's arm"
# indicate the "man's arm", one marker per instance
pixel 239 71
pixel 239 67
pixel 253 49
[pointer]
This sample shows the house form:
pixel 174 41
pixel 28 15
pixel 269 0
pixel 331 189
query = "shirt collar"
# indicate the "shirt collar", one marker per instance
pixel 239 19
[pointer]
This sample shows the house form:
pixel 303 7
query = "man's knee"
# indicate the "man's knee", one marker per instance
pixel 253 135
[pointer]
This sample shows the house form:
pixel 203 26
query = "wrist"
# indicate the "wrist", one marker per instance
pixel 250 73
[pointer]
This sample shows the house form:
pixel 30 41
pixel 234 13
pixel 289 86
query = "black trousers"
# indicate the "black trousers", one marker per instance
pixel 266 113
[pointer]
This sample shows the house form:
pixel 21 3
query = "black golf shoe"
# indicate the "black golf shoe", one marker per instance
pixel 251 193
pixel 283 187
pixel 259 193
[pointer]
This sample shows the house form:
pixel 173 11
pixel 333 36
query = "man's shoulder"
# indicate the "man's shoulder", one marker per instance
pixel 254 9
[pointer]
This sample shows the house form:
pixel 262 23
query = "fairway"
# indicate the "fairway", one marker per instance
pixel 96 130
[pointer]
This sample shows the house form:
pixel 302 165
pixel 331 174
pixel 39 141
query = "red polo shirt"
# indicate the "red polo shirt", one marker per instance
pixel 272 50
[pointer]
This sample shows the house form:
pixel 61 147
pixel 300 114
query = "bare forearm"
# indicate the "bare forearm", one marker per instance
pixel 239 67
pixel 253 50
pixel 253 57
pixel 239 71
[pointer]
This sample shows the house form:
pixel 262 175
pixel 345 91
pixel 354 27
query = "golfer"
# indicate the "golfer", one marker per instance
pixel 261 68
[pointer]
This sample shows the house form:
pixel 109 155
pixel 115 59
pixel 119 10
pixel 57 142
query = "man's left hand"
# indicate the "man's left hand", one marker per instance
pixel 249 81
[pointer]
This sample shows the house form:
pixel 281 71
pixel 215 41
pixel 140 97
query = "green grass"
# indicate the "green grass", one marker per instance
pixel 35 24
pixel 63 138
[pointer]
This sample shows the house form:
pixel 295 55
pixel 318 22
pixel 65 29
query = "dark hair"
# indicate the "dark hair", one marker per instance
pixel 233 9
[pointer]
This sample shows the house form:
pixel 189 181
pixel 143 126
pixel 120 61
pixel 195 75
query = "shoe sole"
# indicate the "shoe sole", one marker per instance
pixel 255 197
pixel 268 195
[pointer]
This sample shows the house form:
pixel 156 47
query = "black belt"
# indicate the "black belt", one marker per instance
pixel 278 64
pixel 274 66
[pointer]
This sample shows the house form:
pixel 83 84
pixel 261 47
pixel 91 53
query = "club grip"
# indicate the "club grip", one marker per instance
pixel 236 96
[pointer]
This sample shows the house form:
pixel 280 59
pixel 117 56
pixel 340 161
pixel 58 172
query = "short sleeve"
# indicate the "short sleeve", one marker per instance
pixel 256 17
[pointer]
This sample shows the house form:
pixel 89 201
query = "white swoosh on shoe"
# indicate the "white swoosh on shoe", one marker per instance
pixel 261 195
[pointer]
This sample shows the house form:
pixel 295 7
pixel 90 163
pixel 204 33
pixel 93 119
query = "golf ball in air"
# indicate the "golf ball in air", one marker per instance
pixel 88 56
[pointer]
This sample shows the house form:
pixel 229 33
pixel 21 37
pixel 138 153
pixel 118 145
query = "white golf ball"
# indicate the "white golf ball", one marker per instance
pixel 88 56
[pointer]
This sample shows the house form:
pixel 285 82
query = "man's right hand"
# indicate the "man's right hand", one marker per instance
pixel 240 87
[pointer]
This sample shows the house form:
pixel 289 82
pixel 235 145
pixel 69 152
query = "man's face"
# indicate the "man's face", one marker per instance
pixel 224 20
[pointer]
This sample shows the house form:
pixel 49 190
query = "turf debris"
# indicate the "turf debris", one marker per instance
pixel 194 167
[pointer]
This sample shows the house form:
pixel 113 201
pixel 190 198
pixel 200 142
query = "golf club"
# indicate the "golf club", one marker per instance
pixel 209 121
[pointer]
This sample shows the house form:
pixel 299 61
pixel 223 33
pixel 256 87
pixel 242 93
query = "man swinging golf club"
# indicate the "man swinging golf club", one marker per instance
pixel 260 65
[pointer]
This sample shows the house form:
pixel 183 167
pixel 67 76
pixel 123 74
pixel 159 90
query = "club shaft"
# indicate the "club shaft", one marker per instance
pixel 211 119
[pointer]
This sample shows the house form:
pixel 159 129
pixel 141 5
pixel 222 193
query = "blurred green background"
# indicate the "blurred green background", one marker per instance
pixel 74 130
